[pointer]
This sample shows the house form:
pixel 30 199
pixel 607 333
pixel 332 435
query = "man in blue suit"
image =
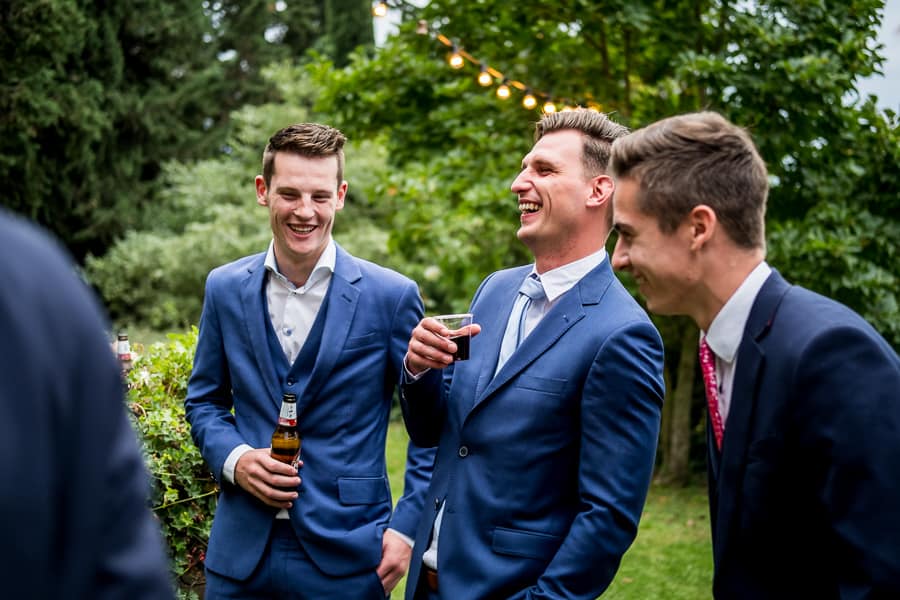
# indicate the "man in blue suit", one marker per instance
pixel 803 395
pixel 304 317
pixel 74 521
pixel 547 435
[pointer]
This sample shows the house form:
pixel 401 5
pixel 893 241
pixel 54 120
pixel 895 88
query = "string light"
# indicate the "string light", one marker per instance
pixel 484 78
pixel 487 75
pixel 503 90
pixel 529 101
pixel 455 59
pixel 380 9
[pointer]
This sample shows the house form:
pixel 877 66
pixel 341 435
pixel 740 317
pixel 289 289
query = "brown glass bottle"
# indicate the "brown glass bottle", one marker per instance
pixel 286 437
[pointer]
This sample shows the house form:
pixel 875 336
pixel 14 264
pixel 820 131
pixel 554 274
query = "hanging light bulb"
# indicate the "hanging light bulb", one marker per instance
pixel 380 9
pixel 484 78
pixel 548 107
pixel 503 91
pixel 529 101
pixel 455 59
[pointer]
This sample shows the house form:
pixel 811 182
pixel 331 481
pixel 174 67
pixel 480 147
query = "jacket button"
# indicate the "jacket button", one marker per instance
pixel 437 503
pixel 463 451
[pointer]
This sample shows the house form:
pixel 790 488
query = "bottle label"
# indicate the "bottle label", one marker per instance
pixel 123 349
pixel 288 414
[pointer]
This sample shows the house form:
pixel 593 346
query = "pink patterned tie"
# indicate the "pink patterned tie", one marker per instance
pixel 708 368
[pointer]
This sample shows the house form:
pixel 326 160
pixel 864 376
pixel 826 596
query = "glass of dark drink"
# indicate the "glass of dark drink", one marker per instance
pixel 459 332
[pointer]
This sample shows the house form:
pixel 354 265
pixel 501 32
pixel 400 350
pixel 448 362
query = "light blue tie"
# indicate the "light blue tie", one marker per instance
pixel 531 293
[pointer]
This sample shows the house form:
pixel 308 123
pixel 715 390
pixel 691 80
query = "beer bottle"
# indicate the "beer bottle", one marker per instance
pixel 286 437
pixel 123 352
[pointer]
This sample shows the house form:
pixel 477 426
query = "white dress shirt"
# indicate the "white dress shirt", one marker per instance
pixel 292 312
pixel 727 330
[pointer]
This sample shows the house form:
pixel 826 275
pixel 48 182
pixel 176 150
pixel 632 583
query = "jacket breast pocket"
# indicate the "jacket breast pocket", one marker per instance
pixel 527 544
pixel 545 385
pixel 361 341
pixel 363 490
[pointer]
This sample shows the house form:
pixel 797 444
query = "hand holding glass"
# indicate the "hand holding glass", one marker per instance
pixel 455 323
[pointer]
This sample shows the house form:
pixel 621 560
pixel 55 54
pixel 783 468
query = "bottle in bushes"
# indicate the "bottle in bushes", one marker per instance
pixel 123 352
pixel 286 437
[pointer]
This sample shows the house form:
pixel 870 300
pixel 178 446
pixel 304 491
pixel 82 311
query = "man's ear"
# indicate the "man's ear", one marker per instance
pixel 341 194
pixel 602 187
pixel 261 190
pixel 703 222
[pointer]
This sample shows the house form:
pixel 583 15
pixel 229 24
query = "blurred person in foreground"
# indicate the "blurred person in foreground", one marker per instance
pixel 547 435
pixel 304 317
pixel 803 395
pixel 74 521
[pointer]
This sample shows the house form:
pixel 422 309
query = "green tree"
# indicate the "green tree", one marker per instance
pixel 786 70
pixel 96 97
pixel 348 26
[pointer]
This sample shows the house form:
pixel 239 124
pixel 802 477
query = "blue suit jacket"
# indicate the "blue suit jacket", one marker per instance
pixel 805 500
pixel 74 521
pixel 544 468
pixel 345 501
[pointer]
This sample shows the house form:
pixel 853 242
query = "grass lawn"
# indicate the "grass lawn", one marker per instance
pixel 671 558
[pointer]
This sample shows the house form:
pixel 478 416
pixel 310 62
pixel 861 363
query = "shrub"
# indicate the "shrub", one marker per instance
pixel 184 493
pixel 156 278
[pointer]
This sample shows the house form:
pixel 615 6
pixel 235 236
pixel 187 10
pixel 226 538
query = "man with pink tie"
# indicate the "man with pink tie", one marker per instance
pixel 804 395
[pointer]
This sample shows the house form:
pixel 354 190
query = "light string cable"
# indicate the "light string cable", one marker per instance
pixel 488 76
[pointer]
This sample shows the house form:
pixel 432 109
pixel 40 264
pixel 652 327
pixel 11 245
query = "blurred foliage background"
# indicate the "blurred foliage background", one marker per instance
pixel 133 130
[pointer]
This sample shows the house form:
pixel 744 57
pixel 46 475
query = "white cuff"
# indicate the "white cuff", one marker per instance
pixel 410 378
pixel 403 537
pixel 231 462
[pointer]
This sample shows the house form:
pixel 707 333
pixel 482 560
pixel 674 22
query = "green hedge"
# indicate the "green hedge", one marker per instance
pixel 184 492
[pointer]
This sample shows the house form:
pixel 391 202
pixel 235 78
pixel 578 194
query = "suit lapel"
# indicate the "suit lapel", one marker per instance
pixel 493 318
pixel 562 316
pixel 255 315
pixel 343 298
pixel 568 310
pixel 744 399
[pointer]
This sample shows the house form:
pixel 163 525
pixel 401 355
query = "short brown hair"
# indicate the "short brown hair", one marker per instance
pixel 306 139
pixel 697 158
pixel 598 134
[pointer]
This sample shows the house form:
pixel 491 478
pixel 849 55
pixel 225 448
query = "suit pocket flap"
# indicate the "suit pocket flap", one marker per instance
pixel 361 341
pixel 547 385
pixel 530 544
pixel 362 490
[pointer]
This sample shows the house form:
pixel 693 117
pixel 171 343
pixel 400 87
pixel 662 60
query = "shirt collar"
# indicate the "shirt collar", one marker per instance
pixel 727 329
pixel 324 266
pixel 560 280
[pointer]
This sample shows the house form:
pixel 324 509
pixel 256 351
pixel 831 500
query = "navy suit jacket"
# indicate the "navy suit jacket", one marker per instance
pixel 74 521
pixel 805 498
pixel 543 468
pixel 345 501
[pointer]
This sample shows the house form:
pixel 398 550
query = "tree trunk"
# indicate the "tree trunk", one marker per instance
pixel 676 426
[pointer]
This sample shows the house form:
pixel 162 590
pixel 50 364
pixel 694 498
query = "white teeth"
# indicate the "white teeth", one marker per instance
pixel 301 229
pixel 529 207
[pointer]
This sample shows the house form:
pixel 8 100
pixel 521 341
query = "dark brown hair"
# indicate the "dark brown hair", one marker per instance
pixel 692 159
pixel 598 133
pixel 306 139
